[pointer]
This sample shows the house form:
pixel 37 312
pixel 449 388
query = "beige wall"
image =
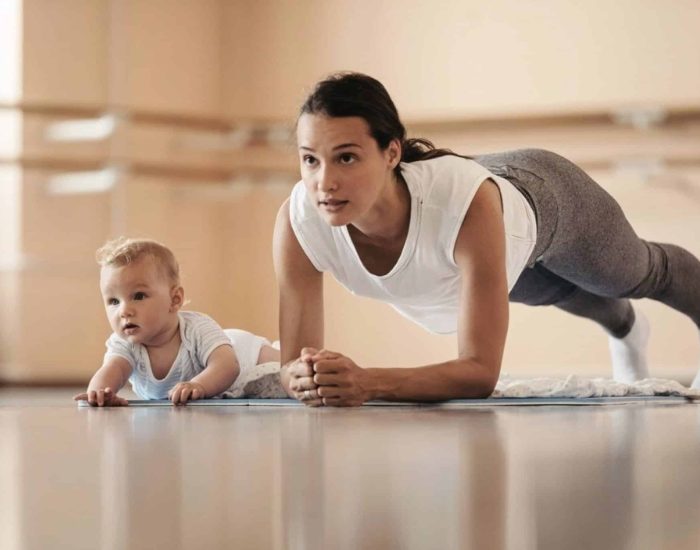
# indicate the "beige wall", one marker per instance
pixel 157 56
pixel 226 61
pixel 460 58
pixel 10 50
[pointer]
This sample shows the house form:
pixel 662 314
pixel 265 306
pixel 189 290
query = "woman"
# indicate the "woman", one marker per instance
pixel 448 240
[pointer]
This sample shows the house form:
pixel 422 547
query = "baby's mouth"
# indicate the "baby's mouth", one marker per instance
pixel 130 327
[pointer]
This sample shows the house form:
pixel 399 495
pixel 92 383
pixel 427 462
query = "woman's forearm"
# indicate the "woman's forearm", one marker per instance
pixel 458 379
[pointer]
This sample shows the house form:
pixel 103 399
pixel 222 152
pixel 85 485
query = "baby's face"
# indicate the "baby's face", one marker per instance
pixel 139 301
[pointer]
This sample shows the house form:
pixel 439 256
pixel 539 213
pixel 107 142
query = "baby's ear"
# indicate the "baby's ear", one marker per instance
pixel 177 298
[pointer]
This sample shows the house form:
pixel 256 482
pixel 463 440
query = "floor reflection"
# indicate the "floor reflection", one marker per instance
pixel 593 477
pixel 374 480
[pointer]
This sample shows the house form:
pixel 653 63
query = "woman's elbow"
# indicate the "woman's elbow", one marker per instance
pixel 480 381
pixel 485 388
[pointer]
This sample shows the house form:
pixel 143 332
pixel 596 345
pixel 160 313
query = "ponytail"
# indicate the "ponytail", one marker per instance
pixel 359 95
pixel 414 149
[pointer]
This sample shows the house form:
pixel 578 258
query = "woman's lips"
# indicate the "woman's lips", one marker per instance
pixel 332 205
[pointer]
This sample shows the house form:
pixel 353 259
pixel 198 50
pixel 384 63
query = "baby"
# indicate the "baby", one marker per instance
pixel 164 352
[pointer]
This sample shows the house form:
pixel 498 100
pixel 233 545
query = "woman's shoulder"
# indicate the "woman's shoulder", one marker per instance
pixel 444 179
pixel 442 168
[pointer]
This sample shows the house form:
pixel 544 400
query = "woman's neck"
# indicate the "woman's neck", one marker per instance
pixel 387 221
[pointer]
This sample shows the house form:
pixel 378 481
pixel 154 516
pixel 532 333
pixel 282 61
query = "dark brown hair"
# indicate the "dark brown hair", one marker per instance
pixel 358 95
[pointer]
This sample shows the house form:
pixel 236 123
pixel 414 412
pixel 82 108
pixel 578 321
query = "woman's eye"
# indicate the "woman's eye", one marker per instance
pixel 308 160
pixel 139 296
pixel 346 158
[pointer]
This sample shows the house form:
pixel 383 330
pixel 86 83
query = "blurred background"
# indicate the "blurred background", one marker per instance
pixel 172 119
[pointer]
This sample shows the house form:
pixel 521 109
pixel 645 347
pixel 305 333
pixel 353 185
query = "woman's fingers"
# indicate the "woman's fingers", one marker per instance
pixel 300 369
pixel 328 365
pixel 306 356
pixel 325 354
pixel 304 375
pixel 307 394
pixel 329 391
pixel 301 384
pixel 333 401
pixel 314 403
pixel 310 398
pixel 330 379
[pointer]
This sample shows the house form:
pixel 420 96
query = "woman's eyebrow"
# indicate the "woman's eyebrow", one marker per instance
pixel 341 146
pixel 344 145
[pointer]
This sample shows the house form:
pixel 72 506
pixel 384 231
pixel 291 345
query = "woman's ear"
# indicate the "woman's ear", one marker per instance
pixel 394 153
pixel 177 298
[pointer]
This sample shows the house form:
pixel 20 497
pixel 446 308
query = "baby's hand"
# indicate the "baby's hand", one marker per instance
pixel 187 390
pixel 101 398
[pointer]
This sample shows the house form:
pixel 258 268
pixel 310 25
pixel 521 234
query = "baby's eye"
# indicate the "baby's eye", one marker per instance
pixel 347 158
pixel 112 302
pixel 139 296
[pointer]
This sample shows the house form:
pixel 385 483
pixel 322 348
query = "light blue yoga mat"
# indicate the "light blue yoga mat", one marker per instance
pixel 453 404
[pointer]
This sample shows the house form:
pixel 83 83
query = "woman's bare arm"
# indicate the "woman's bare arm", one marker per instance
pixel 301 295
pixel 482 326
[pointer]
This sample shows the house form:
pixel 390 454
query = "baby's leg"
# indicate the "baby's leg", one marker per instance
pixel 259 362
pixel 268 354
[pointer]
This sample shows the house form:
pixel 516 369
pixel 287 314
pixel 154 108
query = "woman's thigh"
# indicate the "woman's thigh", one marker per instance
pixel 584 236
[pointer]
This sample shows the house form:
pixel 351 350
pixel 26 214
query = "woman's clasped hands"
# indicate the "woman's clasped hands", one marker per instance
pixel 323 377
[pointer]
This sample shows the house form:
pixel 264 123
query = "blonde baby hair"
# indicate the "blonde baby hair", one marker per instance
pixel 123 251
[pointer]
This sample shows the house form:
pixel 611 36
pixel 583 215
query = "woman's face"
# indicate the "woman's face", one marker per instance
pixel 344 170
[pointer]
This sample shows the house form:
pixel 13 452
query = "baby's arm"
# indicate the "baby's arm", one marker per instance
pixel 221 371
pixel 106 382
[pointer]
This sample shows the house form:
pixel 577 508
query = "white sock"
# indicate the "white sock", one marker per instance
pixel 696 382
pixel 629 354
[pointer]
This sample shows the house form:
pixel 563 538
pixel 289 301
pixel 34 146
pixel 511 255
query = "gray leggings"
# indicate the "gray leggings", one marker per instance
pixel 588 260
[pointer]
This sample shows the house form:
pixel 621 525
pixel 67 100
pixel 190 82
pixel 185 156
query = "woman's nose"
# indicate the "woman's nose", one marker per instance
pixel 326 180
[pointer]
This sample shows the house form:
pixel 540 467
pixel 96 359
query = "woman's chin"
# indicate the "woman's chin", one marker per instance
pixel 335 220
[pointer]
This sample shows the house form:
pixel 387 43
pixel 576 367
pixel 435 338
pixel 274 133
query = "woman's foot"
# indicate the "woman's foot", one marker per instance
pixel 629 354
pixel 696 382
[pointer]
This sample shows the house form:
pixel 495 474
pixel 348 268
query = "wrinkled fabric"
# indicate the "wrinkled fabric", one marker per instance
pixel 576 386
pixel 263 382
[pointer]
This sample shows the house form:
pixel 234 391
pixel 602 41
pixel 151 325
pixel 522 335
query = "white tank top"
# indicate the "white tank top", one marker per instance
pixel 424 285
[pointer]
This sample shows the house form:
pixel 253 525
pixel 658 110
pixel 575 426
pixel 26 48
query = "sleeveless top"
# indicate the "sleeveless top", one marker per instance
pixel 424 284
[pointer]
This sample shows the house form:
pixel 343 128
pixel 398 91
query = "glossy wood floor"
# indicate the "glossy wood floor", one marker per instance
pixel 621 477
